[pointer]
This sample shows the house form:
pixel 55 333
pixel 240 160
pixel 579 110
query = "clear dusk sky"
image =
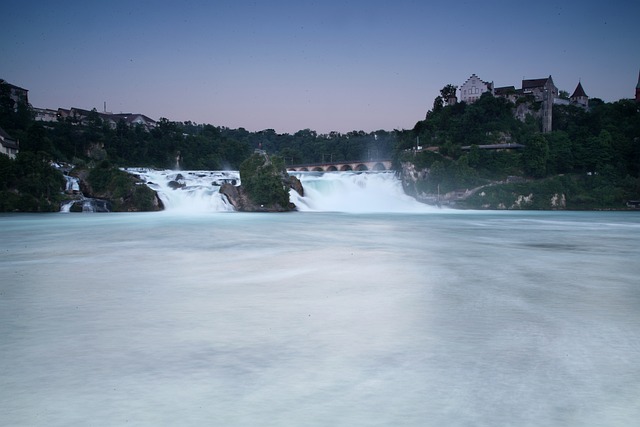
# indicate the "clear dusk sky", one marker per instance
pixel 324 65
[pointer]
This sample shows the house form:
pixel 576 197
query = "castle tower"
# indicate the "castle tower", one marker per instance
pixel 550 92
pixel 580 98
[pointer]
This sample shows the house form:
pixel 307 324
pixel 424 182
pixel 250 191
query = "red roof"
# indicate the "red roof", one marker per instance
pixel 579 92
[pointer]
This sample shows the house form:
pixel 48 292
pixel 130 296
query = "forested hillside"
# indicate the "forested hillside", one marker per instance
pixel 591 157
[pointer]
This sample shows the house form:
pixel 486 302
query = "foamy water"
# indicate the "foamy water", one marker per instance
pixel 355 192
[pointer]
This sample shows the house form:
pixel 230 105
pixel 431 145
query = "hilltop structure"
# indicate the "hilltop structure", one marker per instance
pixel 542 91
pixel 473 88
pixel 545 92
pixel 579 97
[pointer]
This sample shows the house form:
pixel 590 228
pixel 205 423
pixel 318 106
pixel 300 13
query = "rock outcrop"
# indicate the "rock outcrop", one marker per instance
pixel 241 201
pixel 265 186
pixel 120 191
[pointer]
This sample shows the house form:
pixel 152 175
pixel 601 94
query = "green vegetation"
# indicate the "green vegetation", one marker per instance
pixel 591 157
pixel 263 177
pixel 29 184
pixel 120 188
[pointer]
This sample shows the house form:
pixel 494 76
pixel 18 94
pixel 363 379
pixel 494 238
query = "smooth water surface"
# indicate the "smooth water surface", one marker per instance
pixel 320 319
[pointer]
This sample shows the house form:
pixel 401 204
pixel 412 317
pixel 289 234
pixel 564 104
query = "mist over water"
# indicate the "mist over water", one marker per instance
pixel 354 192
pixel 316 318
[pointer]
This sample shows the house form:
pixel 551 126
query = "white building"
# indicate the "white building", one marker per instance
pixel 473 88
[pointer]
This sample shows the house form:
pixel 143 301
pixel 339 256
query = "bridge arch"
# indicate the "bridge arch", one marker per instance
pixel 360 166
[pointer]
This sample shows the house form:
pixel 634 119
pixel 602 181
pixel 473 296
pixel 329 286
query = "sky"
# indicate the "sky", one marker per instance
pixel 320 65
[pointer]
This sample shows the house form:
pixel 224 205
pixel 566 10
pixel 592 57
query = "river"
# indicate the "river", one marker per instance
pixel 362 316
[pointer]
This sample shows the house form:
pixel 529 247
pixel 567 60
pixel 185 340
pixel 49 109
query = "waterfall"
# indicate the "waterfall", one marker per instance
pixel 189 191
pixel 79 202
pixel 358 192
pixel 73 184
pixel 85 204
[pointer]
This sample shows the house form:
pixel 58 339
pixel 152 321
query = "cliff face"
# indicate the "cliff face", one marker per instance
pixel 514 193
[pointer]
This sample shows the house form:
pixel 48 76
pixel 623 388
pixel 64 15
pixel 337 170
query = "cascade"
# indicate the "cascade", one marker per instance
pixel 73 184
pixel 80 201
pixel 358 192
pixel 189 191
pixel 86 204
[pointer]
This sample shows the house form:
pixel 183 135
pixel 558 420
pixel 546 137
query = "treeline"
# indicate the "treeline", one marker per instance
pixel 185 144
pixel 30 184
pixel 599 147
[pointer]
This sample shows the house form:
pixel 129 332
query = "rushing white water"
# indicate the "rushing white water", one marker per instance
pixel 355 192
pixel 73 184
pixel 189 191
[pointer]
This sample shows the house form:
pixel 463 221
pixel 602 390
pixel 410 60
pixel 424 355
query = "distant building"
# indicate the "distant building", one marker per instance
pixel 508 92
pixel 45 115
pixel 17 94
pixel 540 89
pixel 133 119
pixel 638 89
pixel 473 88
pixel 82 117
pixel 8 145
pixel 544 91
pixel 579 97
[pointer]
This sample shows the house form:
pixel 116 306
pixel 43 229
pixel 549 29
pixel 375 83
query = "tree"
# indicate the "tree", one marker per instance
pixel 438 104
pixel 536 155
pixel 262 178
pixel 448 92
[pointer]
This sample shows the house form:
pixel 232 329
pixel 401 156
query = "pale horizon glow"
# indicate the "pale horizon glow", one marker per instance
pixel 292 65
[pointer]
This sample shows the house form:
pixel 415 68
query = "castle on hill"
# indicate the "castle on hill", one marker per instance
pixel 542 91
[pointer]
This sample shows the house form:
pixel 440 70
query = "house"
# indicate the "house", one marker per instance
pixel 8 145
pixel 579 97
pixel 473 88
pixel 134 119
pixel 45 115
pixel 77 115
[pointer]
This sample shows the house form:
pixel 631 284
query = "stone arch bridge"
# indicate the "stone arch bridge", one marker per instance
pixel 361 166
